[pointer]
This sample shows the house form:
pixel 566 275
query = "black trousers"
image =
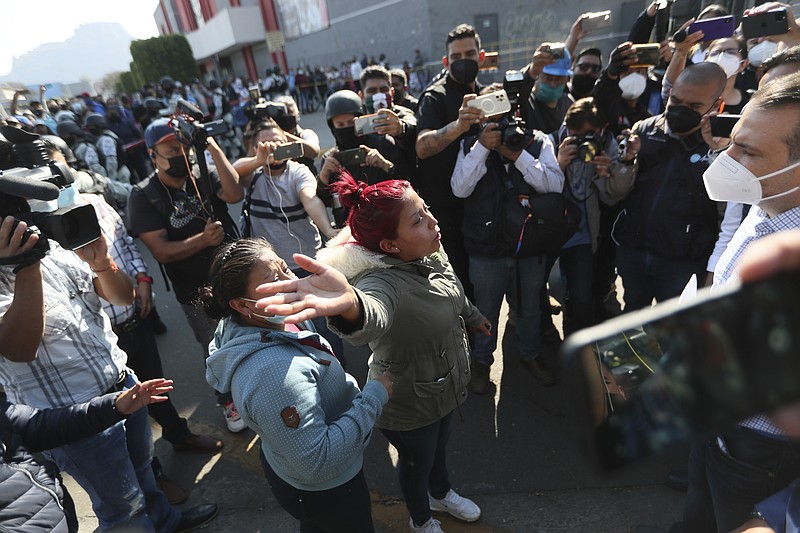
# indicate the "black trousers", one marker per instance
pixel 144 359
pixel 343 509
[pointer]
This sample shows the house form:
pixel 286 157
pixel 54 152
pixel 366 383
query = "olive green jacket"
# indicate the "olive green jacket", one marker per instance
pixel 415 315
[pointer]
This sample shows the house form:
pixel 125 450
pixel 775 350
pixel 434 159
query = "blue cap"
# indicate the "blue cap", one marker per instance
pixel 560 67
pixel 158 131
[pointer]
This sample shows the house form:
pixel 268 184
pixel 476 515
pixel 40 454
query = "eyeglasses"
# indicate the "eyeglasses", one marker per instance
pixel 588 67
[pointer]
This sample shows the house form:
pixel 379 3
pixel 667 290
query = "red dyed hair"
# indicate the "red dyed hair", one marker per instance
pixel 374 209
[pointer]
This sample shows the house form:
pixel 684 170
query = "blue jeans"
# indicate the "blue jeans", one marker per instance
pixel 494 278
pixel 646 275
pixel 577 267
pixel 723 488
pixel 422 465
pixel 203 328
pixel 113 467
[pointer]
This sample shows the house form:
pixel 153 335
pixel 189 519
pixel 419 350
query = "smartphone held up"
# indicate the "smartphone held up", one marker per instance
pixel 655 379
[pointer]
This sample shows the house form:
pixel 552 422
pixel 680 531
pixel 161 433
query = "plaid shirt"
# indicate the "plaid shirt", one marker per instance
pixel 122 249
pixel 756 225
pixel 78 357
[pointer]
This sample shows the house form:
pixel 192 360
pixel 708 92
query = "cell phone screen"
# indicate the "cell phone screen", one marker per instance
pixel 652 380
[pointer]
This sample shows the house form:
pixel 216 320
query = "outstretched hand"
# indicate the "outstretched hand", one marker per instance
pixel 325 292
pixel 142 394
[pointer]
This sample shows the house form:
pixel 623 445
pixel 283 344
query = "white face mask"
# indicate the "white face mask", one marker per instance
pixel 728 61
pixel 633 85
pixel 727 180
pixel 760 52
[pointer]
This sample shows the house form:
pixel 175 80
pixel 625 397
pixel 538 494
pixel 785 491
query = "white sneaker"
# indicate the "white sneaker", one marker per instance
pixel 462 508
pixel 431 526
pixel 232 418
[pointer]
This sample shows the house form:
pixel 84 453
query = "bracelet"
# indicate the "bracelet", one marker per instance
pixel 144 278
pixel 112 266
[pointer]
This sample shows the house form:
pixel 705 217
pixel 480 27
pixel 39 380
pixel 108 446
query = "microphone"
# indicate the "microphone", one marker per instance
pixel 24 183
pixel 190 109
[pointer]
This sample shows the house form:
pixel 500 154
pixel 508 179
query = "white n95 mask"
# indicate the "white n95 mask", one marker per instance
pixel 727 180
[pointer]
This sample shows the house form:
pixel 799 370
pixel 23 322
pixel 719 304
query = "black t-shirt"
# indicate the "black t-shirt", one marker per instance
pixel 438 107
pixel 181 213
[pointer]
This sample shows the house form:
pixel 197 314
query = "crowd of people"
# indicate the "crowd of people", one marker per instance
pixel 406 236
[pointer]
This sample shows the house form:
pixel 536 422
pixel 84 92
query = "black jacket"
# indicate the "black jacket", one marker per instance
pixel 668 211
pixel 30 495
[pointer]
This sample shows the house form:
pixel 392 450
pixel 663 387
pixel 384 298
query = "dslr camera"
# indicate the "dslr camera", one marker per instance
pixel 39 191
pixel 589 146
pixel 512 128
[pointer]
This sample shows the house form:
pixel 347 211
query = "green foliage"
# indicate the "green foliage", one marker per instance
pixel 169 55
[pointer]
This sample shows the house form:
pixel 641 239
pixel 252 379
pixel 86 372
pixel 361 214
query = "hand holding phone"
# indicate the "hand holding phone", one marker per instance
pixel 355 156
pixel 366 124
pixel 287 151
pixel 774 22
pixel 492 104
pixel 687 370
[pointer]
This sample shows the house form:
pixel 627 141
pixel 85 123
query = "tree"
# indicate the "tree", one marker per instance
pixel 169 55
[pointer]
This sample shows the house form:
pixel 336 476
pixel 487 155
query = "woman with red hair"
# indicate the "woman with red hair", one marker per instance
pixel 386 281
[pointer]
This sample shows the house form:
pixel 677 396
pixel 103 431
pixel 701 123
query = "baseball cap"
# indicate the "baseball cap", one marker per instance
pixel 561 66
pixel 158 131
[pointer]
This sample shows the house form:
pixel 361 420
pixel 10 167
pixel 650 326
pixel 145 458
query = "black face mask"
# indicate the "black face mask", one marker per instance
pixel 582 84
pixel 682 119
pixel 177 167
pixel 464 71
pixel 345 138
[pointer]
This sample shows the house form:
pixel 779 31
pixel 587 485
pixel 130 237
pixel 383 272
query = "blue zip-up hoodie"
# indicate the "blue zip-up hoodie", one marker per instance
pixel 313 421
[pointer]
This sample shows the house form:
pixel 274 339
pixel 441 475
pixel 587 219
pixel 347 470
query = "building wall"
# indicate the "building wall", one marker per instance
pixel 396 28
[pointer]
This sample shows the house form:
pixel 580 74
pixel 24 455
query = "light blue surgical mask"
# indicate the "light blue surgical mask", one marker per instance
pixel 277 320
pixel 67 196
pixel 547 93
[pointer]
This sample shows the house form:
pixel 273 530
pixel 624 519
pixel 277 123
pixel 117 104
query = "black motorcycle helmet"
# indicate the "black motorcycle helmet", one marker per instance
pixel 341 102
pixel 95 122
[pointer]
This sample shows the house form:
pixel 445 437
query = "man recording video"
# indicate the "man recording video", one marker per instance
pixel 58 349
pixel 182 225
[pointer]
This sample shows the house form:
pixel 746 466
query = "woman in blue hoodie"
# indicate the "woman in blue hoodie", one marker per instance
pixel 313 421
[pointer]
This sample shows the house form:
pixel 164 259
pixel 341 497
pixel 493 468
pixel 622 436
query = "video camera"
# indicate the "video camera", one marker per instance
pixel 512 128
pixel 189 126
pixel 259 108
pixel 39 191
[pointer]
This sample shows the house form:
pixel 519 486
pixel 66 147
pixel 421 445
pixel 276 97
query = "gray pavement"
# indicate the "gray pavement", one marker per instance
pixel 516 452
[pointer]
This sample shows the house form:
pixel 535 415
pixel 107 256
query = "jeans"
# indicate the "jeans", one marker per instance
pixel 343 509
pixel 577 266
pixel 203 328
pixel 422 467
pixel 724 488
pixel 144 359
pixel 494 278
pixel 646 275
pixel 113 467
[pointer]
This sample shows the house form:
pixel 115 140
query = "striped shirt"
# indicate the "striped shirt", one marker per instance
pixel 78 357
pixel 278 215
pixel 122 250
pixel 756 225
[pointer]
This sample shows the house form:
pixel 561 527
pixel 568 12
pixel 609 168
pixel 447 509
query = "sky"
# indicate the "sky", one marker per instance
pixel 37 22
